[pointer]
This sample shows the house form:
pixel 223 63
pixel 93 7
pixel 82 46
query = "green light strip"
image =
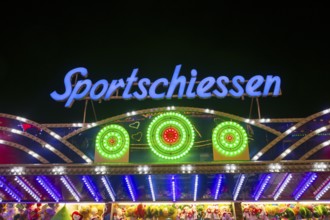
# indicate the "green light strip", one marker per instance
pixel 120 146
pixel 229 138
pixel 160 147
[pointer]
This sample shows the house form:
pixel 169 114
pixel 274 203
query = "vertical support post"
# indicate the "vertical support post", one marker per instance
pixel 258 106
pixel 85 110
pixel 237 210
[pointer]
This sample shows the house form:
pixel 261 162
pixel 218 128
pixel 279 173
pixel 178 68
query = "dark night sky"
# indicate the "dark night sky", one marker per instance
pixel 40 43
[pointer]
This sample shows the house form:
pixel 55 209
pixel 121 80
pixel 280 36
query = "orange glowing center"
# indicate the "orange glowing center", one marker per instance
pixel 170 135
pixel 112 141
pixel 230 138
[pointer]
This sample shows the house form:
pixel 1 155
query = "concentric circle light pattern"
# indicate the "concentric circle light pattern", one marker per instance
pixel 170 135
pixel 229 138
pixel 112 141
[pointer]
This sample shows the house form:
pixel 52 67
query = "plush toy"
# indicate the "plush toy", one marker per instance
pixel 189 214
pixel 227 216
pixel 10 212
pixel 95 214
pixel 2 208
pixel 195 212
pixel 208 213
pixel 216 213
pixel 118 215
pixel 47 212
pixel 246 213
pixel 85 211
pixel 76 216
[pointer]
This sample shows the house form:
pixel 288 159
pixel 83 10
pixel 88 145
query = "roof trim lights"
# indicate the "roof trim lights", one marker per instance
pixel 238 185
pixel 217 190
pixel 151 186
pixel 280 188
pixel 33 192
pixel 130 187
pixel 9 190
pixel 173 189
pixel 305 184
pixel 68 184
pixel 107 185
pixel 44 182
pixel 195 187
pixel 91 187
pixel 261 186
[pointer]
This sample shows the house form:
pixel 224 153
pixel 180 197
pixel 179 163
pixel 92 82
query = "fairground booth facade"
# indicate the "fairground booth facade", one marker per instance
pixel 170 162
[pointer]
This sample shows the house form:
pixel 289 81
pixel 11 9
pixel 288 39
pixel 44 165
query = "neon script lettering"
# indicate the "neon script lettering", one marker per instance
pixel 161 88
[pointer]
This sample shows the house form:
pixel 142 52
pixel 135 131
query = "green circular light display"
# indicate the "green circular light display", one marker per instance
pixel 112 141
pixel 170 135
pixel 229 138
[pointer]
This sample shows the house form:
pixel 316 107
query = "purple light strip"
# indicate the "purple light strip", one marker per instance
pixel 151 186
pixel 68 184
pixel 238 186
pixel 44 182
pixel 217 190
pixel 91 187
pixel 173 189
pixel 279 185
pixel 196 187
pixel 323 191
pixel 31 186
pixel 8 190
pixel 310 177
pixel 321 186
pixel 130 187
pixel 107 184
pixel 261 186
pixel 27 188
pixel 280 188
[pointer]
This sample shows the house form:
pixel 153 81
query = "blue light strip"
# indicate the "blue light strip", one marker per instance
pixel 44 182
pixel 130 187
pixel 196 187
pixel 280 188
pixel 310 177
pixel 261 186
pixel 68 184
pixel 217 190
pixel 107 185
pixel 28 189
pixel 238 186
pixel 91 187
pixel 173 189
pixel 10 191
pixel 151 188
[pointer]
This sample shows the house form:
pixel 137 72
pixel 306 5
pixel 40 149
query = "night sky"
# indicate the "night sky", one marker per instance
pixel 41 43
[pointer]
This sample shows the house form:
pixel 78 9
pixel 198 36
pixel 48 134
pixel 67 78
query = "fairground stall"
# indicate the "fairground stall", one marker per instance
pixel 166 163
pixel 182 163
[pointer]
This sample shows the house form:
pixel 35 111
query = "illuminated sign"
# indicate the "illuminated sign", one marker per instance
pixel 161 88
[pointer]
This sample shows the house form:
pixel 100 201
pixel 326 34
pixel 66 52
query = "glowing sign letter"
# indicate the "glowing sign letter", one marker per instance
pixel 153 88
pixel 67 83
pixel 221 82
pixel 99 84
pixel 237 81
pixel 269 82
pixel 130 80
pixel 176 79
pixel 144 92
pixel 205 85
pixel 80 90
pixel 253 84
